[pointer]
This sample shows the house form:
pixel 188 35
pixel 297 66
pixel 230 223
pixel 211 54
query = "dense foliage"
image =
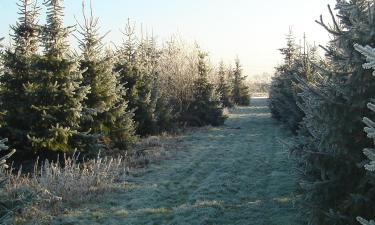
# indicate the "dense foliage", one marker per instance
pixel 332 98
pixel 369 52
pixel 284 99
pixel 240 92
pixel 55 100
pixel 205 109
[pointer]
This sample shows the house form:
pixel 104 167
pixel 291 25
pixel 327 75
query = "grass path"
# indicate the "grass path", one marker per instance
pixel 236 174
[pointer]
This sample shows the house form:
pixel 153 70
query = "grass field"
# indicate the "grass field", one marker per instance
pixel 239 173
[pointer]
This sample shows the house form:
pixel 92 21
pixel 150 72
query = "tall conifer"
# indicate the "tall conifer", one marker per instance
pixel 223 87
pixel 331 139
pixel 240 92
pixel 205 109
pixel 18 80
pixel 132 66
pixel 107 111
pixel 58 91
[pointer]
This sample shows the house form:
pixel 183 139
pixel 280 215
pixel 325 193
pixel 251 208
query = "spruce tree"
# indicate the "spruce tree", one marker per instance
pixel 223 87
pixel 205 109
pixel 133 76
pixel 331 139
pixel 281 91
pixel 18 79
pixel 240 92
pixel 106 110
pixel 58 92
pixel 284 100
pixel 369 52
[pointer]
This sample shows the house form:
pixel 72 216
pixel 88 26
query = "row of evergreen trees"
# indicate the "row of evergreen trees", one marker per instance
pixel 231 86
pixel 54 100
pixel 284 100
pixel 328 99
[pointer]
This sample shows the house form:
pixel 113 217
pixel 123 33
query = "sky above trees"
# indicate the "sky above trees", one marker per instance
pixel 251 29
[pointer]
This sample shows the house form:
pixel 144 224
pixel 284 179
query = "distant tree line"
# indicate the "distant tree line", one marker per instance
pixel 54 99
pixel 323 102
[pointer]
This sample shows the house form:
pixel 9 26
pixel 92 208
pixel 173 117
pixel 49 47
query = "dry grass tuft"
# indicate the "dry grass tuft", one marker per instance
pixel 71 181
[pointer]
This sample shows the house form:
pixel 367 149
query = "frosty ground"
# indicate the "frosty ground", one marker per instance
pixel 239 173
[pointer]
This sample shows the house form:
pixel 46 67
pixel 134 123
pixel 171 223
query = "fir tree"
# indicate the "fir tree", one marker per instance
pixel 108 111
pixel 58 92
pixel 223 87
pixel 133 76
pixel 240 92
pixel 17 82
pixel 205 108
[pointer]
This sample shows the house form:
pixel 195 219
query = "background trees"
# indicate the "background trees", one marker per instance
pixel 205 109
pixel 284 90
pixel 240 92
pixel 54 100
pixel 224 88
pixel 106 111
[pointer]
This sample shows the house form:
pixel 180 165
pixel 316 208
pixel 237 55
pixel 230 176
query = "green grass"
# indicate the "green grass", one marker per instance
pixel 235 174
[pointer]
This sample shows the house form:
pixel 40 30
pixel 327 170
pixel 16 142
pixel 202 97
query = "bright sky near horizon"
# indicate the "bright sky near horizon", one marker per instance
pixel 251 29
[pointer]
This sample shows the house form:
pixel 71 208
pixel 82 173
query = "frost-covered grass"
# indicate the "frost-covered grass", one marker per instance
pixel 54 186
pixel 236 174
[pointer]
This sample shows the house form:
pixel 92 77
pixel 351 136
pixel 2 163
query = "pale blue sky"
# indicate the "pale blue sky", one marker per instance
pixel 251 29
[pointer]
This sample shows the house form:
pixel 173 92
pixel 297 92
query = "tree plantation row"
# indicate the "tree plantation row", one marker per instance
pixel 97 99
pixel 322 101
pixel 57 100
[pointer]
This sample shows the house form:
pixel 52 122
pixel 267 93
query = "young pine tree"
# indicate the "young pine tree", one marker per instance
pixel 133 76
pixel 107 111
pixel 18 80
pixel 58 92
pixel 205 109
pixel 240 92
pixel 223 87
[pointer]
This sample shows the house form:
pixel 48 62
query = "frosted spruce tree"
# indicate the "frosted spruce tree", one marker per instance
pixel 281 91
pixel 331 139
pixel 369 52
pixel 134 77
pixel 240 92
pixel 106 110
pixel 57 105
pixel 205 108
pixel 164 118
pixel 284 90
pixel 17 91
pixel 223 87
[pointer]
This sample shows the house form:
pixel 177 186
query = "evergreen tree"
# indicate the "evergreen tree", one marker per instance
pixel 205 108
pixel 107 111
pixel 240 92
pixel 284 91
pixel 223 87
pixel 281 91
pixel 370 129
pixel 18 79
pixel 58 94
pixel 134 77
pixel 331 138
